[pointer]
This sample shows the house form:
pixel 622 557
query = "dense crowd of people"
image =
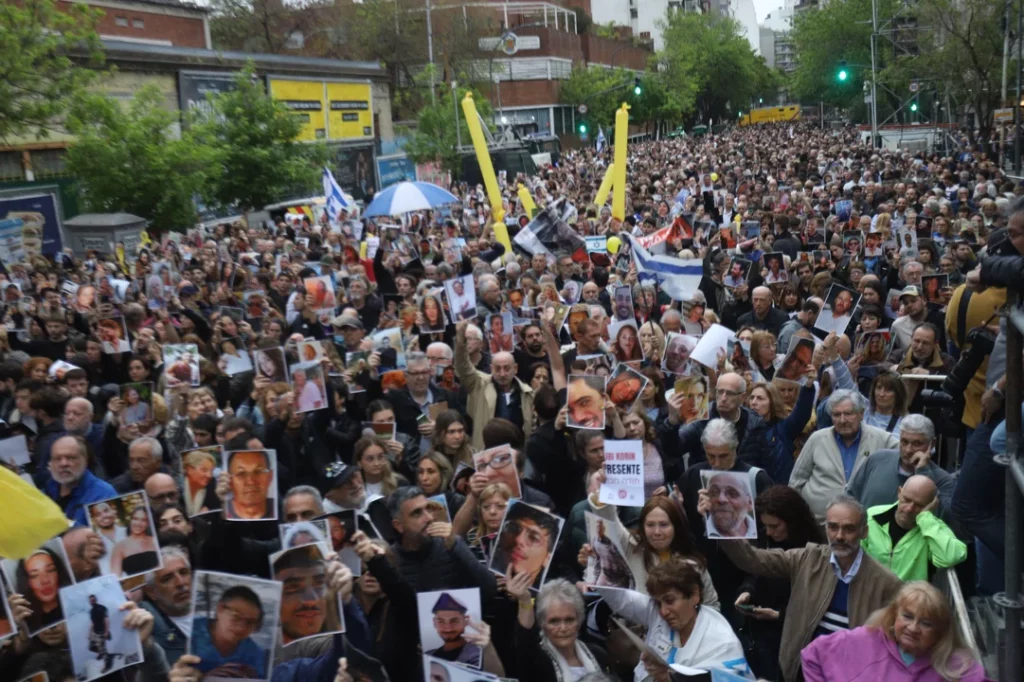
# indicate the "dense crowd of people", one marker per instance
pixel 369 449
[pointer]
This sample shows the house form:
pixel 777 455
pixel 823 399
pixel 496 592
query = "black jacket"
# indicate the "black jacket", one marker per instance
pixel 772 322
pixel 393 622
pixel 434 567
pixel 407 410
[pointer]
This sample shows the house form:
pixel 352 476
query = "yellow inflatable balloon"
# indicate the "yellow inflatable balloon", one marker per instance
pixel 714 177
pixel 613 244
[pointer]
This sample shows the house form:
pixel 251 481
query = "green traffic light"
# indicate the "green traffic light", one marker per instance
pixel 913 106
pixel 636 90
pixel 843 74
pixel 740 113
pixel 583 129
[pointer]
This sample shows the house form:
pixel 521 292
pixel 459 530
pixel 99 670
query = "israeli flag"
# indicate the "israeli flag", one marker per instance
pixel 677 277
pixel 600 139
pixel 336 199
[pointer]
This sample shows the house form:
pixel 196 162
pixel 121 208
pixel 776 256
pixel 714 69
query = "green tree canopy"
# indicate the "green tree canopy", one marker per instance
pixel 709 68
pixel 40 80
pixel 254 141
pixel 435 138
pixel 129 158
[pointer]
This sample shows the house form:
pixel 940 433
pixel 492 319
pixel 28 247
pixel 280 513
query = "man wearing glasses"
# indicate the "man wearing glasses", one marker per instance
pixel 412 403
pixel 226 640
pixel 251 478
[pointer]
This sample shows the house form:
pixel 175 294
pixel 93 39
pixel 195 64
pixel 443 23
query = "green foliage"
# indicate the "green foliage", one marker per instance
pixel 824 36
pixel 127 158
pixel 39 81
pixel 591 86
pixel 435 138
pixel 253 139
pixel 709 68
pixel 961 56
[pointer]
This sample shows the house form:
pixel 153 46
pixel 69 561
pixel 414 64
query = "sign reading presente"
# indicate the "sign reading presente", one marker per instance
pixel 624 473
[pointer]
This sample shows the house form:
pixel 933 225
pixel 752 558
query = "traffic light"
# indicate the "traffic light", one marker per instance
pixel 843 73
pixel 636 86
pixel 583 128
pixel 740 114
pixel 913 106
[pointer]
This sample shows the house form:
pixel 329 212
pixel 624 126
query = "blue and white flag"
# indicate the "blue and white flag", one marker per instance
pixel 600 139
pixel 336 199
pixel 677 277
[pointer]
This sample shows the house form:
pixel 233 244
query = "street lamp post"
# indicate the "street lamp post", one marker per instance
pixel 874 76
pixel 430 54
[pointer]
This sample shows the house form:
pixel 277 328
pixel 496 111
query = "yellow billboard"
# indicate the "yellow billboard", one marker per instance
pixel 306 100
pixel 350 113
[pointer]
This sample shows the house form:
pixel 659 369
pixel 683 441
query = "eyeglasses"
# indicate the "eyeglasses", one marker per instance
pixel 421 373
pixel 251 623
pixel 726 392
pixel 498 461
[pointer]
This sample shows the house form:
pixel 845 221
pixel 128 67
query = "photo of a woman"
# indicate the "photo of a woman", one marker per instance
pixel 694 406
pixel 433 313
pixel 270 364
pixel 137 400
pixel 626 341
pixel 199 465
pixel 39 578
pixel 113 335
pixel 138 553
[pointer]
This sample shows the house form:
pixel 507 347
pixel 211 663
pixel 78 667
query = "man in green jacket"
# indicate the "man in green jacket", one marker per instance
pixel 908 538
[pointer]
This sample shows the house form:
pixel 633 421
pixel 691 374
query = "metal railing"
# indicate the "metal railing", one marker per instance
pixel 945 579
pixel 1010 599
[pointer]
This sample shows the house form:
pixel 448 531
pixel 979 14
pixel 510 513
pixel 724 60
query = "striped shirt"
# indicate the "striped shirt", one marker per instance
pixel 836 617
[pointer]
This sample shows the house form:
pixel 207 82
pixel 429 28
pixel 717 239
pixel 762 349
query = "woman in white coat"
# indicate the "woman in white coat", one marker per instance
pixel 679 629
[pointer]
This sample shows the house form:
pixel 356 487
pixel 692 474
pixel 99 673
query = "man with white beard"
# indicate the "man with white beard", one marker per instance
pixel 72 486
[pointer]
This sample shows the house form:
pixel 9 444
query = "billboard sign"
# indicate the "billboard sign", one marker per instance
pixel 395 169
pixel 353 169
pixel 195 89
pixel 40 216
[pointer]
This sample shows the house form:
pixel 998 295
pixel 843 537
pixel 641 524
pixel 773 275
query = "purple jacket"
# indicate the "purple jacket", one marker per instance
pixel 867 655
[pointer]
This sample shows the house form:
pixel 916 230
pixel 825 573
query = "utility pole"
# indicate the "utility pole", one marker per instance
pixel 1002 91
pixel 1016 104
pixel 874 75
pixel 430 54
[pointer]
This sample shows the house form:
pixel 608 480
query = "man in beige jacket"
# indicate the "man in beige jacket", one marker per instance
pixel 498 394
pixel 832 587
pixel 831 456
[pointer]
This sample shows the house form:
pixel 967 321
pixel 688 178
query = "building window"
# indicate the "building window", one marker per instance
pixel 138 23
pixel 48 162
pixel 121 21
pixel 10 166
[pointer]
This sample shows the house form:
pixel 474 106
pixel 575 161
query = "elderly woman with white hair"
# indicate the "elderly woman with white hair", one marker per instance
pixel 547 635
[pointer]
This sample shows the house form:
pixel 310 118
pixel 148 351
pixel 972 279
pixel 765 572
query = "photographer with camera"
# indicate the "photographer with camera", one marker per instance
pixel 923 357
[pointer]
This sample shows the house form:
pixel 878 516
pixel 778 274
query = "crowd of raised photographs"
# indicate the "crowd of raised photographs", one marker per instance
pixel 434 409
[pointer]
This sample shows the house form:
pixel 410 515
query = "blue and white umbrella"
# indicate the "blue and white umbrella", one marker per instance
pixel 406 197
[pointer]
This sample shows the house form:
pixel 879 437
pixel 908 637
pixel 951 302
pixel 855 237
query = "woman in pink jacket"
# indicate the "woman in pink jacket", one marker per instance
pixel 913 639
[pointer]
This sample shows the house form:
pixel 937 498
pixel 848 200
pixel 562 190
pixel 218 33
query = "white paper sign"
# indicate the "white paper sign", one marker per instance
pixel 624 472
pixel 714 340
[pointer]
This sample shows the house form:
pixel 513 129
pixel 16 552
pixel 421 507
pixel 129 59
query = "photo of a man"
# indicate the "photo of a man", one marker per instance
pixel 498 465
pixel 730 508
pixel 97 636
pixel 230 624
pixel 526 542
pixel 461 298
pixel 252 479
pixel 624 304
pixel 586 401
pixel 450 621
pixel 308 607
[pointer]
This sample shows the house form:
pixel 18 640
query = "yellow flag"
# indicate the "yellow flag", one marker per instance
pixel 32 518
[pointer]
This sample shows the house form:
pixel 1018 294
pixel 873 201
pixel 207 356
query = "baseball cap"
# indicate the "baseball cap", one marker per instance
pixel 910 291
pixel 188 290
pixel 338 473
pixel 342 321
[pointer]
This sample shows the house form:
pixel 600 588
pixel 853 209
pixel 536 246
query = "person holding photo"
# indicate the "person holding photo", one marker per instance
pixel 225 640
pixel 548 646
pixel 135 410
pixel 677 625
pixel 39 578
pixel 728 506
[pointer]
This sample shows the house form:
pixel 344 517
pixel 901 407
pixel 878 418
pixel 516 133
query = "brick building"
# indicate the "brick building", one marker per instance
pixel 156 22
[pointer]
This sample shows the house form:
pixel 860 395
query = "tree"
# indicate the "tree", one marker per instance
pixel 40 80
pixel 602 90
pixel 259 25
pixel 254 141
pixel 962 56
pixel 708 66
pixel 435 139
pixel 128 158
